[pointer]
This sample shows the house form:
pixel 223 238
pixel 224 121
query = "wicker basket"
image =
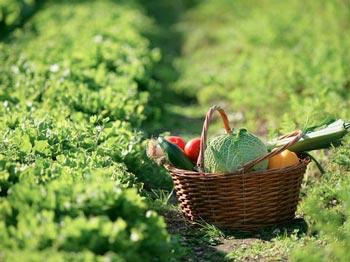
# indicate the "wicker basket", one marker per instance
pixel 243 200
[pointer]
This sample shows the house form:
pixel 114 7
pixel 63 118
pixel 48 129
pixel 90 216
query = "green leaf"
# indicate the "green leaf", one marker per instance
pixel 42 147
pixel 25 145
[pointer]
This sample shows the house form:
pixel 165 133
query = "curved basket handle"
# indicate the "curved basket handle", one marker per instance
pixel 200 162
pixel 204 135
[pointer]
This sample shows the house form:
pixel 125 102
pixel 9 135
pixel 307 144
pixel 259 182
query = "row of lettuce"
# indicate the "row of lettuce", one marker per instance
pixel 280 66
pixel 270 61
pixel 76 84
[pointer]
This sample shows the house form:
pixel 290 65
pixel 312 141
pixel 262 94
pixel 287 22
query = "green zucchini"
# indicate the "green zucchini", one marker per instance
pixel 174 155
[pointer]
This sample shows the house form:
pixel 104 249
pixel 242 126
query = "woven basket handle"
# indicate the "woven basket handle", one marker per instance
pixel 200 162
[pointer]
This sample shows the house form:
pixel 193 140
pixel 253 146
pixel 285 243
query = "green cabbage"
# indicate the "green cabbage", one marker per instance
pixel 228 153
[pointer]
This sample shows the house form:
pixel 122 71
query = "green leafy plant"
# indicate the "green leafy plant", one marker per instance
pixel 70 117
pixel 94 214
pixel 327 212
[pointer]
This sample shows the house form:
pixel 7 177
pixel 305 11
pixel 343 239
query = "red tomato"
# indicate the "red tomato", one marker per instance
pixel 177 141
pixel 192 148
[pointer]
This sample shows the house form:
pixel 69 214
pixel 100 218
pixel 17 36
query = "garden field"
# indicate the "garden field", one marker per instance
pixel 86 84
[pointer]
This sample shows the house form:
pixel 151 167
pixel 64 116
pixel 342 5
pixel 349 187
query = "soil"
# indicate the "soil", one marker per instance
pixel 201 248
pixel 190 237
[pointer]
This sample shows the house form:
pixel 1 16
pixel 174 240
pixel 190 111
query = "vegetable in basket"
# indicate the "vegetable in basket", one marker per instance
pixel 232 151
pixel 284 159
pixel 179 141
pixel 329 134
pixel 326 137
pixel 171 154
pixel 192 148
pixel 229 152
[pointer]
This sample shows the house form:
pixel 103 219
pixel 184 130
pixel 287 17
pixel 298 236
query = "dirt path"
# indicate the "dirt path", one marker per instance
pixel 204 246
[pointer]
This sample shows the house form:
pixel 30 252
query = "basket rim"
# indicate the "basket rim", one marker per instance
pixel 304 161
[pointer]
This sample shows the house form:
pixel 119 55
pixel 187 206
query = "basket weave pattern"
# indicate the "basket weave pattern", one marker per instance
pixel 242 200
